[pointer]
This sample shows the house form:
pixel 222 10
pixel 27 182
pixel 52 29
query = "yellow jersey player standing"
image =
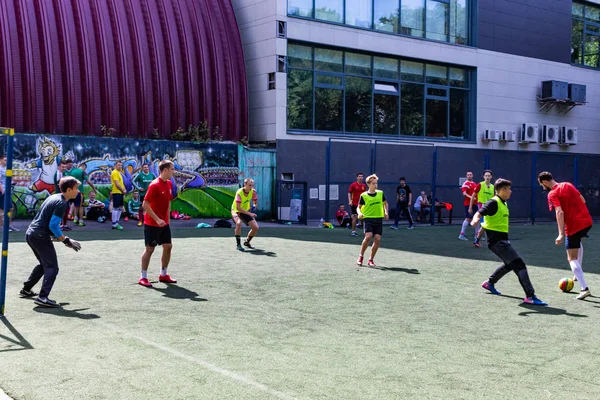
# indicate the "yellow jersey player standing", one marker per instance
pixel 244 203
pixel 118 191
pixel 485 192
pixel 372 209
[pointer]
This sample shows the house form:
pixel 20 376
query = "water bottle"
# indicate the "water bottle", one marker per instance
pixel 321 223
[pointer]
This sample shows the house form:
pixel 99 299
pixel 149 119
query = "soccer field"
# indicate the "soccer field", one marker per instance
pixel 297 319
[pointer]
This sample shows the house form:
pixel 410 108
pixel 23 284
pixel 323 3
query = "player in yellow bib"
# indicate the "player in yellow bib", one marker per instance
pixel 372 209
pixel 117 191
pixel 484 191
pixel 244 203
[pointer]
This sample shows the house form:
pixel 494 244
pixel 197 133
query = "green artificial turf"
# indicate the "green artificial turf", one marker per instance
pixel 297 319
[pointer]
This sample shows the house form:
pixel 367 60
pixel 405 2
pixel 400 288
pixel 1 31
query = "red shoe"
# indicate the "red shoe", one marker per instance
pixel 371 263
pixel 126 218
pixel 360 260
pixel 144 282
pixel 167 279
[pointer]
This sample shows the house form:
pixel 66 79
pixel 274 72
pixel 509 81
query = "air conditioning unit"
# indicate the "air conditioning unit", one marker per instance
pixel 529 133
pixel 549 134
pixel 567 136
pixel 508 136
pixel 491 134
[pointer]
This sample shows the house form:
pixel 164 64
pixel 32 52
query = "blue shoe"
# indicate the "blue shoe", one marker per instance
pixel 488 286
pixel 535 301
pixel 239 247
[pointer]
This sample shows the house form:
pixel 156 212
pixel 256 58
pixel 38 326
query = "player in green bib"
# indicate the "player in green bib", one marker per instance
pixel 142 180
pixel 496 215
pixel 484 191
pixel 372 209
pixel 244 203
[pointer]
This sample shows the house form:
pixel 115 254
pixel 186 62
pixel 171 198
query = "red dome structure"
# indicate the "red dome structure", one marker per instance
pixel 72 66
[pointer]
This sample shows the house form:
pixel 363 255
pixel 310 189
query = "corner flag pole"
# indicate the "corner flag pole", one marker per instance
pixel 10 132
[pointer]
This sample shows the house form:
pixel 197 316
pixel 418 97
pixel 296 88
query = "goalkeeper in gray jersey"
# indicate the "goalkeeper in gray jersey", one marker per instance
pixel 44 227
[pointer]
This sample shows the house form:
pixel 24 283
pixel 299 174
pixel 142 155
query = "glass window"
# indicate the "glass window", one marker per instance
pixel 458 77
pixel 299 56
pixel 358 104
pixel 300 8
pixel 332 80
pixel 358 64
pixel 576 42
pixel 359 13
pixel 458 113
pixel 591 51
pixel 577 10
pixel 592 13
pixel 329 60
pixel 329 10
pixel 385 114
pixel 458 21
pixel 411 71
pixel 385 67
pixel 386 15
pixel 437 74
pixel 436 21
pixel 411 109
pixel 300 100
pixel 412 16
pixel 436 118
pixel 328 109
pixel 438 92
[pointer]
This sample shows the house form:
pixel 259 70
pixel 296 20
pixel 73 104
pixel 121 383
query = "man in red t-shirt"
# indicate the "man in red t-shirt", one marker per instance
pixel 157 207
pixel 468 191
pixel 342 217
pixel 574 222
pixel 354 191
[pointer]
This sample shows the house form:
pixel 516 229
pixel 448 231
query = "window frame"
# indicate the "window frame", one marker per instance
pixel 584 32
pixel 470 19
pixel 469 87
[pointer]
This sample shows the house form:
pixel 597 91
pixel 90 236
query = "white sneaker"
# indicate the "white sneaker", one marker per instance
pixel 353 233
pixel 462 237
pixel 583 294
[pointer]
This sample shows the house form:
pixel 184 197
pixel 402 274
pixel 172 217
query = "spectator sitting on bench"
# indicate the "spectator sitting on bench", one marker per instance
pixel 422 211
pixel 133 205
pixel 343 217
pixel 96 209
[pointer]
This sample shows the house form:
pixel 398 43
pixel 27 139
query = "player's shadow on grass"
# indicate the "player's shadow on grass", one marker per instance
pixel 397 269
pixel 261 252
pixel 179 293
pixel 63 312
pixel 19 341
pixel 547 310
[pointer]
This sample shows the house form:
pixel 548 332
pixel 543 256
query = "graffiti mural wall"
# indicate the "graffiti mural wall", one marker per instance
pixel 205 181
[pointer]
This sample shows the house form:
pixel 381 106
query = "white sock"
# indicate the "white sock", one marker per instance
pixel 464 227
pixel 578 272
pixel 115 217
pixel 144 274
pixel 163 272
pixel 580 255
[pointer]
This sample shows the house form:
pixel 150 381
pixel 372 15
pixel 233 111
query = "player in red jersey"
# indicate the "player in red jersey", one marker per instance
pixel 574 222
pixel 157 232
pixel 354 191
pixel 468 191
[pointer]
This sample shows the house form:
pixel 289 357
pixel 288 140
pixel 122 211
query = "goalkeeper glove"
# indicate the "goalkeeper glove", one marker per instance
pixel 73 244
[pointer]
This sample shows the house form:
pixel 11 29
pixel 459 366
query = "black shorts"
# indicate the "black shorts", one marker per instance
pixel 468 214
pixel 246 218
pixel 373 225
pixel 574 241
pixel 117 200
pixel 2 201
pixel 504 250
pixel 155 235
pixel 77 200
pixel 354 210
